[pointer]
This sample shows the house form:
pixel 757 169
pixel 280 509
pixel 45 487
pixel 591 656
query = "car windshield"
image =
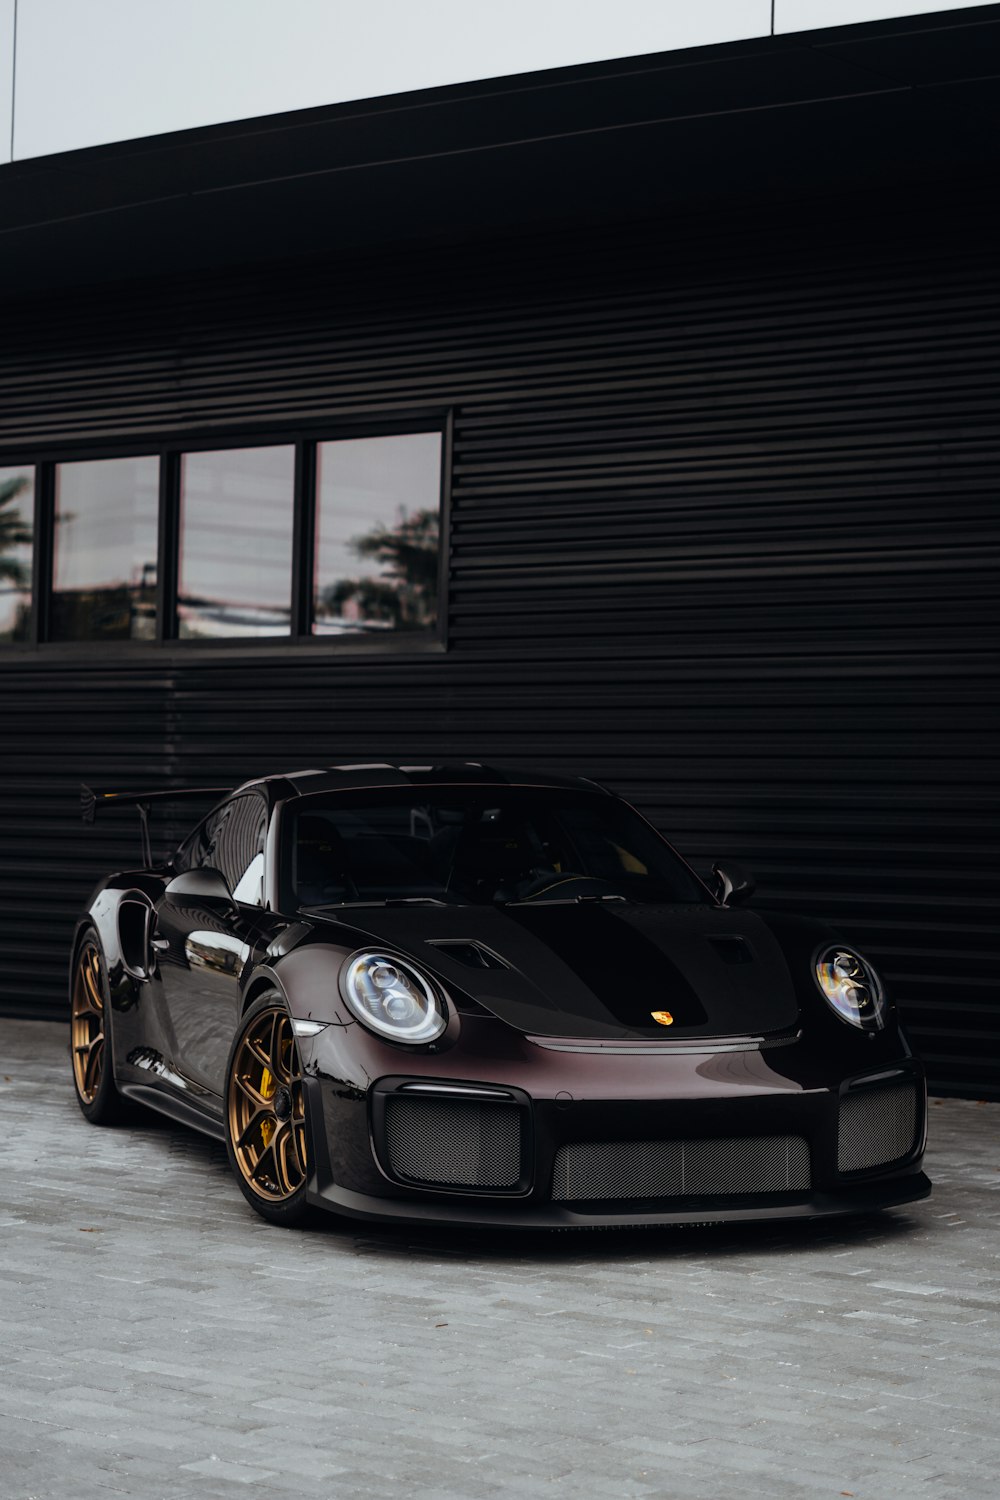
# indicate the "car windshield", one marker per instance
pixel 476 845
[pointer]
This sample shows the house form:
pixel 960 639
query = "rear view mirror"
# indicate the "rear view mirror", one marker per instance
pixel 205 887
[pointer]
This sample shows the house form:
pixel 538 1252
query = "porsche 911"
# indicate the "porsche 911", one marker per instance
pixel 456 994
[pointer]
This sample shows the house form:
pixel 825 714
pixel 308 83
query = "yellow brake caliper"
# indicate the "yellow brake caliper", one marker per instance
pixel 267 1089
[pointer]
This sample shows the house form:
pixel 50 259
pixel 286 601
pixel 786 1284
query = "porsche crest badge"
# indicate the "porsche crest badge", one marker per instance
pixel 663 1017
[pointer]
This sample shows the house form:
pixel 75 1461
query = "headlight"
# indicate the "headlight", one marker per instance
pixel 851 986
pixel 393 998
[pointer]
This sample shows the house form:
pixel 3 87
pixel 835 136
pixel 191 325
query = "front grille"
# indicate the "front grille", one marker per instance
pixel 454 1142
pixel 610 1170
pixel 877 1126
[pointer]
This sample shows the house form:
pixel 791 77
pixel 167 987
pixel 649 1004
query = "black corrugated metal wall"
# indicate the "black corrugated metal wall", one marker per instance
pixel 724 536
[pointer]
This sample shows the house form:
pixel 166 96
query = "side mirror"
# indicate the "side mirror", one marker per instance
pixel 205 887
pixel 733 883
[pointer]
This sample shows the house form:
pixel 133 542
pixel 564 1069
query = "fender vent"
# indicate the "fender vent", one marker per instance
pixel 734 949
pixel 473 955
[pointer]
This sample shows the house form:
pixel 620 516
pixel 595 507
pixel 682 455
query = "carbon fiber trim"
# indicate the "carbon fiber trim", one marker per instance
pixel 610 1170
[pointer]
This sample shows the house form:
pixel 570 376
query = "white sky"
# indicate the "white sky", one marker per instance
pixel 803 15
pixel 93 71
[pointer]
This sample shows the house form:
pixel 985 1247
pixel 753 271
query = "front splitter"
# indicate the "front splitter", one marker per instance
pixel 853 1199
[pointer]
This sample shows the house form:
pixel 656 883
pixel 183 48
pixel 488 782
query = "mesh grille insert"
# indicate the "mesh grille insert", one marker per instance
pixel 454 1142
pixel 673 1169
pixel 877 1126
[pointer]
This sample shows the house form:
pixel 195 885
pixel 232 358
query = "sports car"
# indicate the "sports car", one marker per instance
pixel 454 994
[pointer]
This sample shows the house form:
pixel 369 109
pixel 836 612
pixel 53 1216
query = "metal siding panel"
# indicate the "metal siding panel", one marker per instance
pixel 724 536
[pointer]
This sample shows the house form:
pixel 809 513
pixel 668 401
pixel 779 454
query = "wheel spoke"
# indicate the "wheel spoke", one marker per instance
pixel 258 1171
pixel 278 1141
pixel 92 1071
pixel 253 1125
pixel 255 1096
pixel 89 1000
pixel 279 1048
pixel 92 982
pixel 298 1139
pixel 287 1156
pixel 258 1051
pixel 283 1051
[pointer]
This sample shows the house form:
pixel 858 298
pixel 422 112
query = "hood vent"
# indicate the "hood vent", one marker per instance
pixel 733 949
pixel 472 955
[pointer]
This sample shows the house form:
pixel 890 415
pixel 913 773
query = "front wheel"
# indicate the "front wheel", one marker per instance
pixel 265 1113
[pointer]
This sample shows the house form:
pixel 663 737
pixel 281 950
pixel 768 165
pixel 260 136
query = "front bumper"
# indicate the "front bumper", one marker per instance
pixel 851 1138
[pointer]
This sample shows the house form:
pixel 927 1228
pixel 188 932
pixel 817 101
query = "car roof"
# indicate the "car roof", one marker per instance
pixel 382 774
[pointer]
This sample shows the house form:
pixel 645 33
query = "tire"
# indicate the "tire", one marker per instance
pixel 90 1039
pixel 266 1135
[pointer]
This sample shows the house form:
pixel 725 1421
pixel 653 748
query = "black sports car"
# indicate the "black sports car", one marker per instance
pixel 449 993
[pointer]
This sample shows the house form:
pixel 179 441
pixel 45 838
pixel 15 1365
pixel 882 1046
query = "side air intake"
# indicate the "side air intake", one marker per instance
pixel 877 1126
pixel 461 1143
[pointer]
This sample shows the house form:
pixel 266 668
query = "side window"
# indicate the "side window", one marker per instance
pixel 198 849
pixel 239 848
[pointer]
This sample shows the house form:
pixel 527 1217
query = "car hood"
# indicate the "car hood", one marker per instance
pixel 600 969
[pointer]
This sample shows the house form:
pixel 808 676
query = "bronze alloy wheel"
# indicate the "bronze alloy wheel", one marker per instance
pixel 266 1109
pixel 87 1024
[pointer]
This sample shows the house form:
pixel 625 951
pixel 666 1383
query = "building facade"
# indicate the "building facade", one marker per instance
pixel 634 417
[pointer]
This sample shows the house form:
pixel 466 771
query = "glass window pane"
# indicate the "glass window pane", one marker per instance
pixel 236 542
pixel 17 514
pixel 104 563
pixel 378 506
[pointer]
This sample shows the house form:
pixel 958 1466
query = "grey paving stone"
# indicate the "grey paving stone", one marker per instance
pixel 159 1342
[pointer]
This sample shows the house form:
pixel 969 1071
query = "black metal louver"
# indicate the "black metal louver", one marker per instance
pixel 724 536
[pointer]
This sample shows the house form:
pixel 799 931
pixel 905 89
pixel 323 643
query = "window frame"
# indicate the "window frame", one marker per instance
pixel 170 450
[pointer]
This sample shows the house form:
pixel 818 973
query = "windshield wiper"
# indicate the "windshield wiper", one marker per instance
pixel 382 901
pixel 540 900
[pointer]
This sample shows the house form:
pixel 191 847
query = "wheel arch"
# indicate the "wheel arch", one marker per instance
pixel 260 981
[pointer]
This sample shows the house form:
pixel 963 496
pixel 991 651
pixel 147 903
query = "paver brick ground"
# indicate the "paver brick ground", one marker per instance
pixel 160 1341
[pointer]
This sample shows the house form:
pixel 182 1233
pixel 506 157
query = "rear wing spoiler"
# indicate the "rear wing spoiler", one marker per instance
pixel 91 803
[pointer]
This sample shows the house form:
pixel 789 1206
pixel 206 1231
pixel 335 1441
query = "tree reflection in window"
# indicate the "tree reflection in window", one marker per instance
pixel 403 595
pixel 383 575
pixel 16 517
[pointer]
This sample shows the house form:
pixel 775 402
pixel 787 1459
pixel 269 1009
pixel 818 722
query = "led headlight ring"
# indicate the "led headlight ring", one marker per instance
pixel 851 987
pixel 392 998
